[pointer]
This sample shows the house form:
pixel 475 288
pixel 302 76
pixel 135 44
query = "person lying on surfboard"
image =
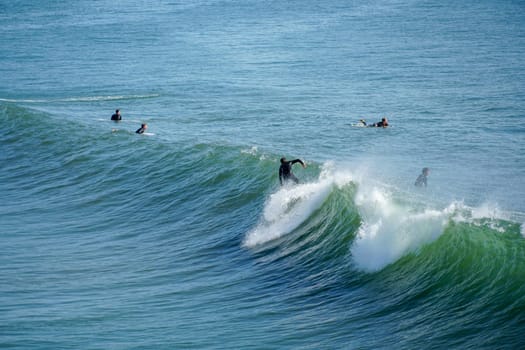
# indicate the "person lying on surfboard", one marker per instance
pixel 285 170
pixel 142 128
pixel 382 124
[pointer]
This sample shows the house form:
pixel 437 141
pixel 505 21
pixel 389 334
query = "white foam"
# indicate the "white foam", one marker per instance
pixel 488 211
pixel 487 214
pixel 82 98
pixel 254 151
pixel 390 230
pixel 290 206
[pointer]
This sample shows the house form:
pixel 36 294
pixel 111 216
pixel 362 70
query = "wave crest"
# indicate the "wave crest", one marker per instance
pixel 82 98
pixel 290 206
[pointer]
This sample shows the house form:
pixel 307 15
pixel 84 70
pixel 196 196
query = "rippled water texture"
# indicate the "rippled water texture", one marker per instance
pixel 183 238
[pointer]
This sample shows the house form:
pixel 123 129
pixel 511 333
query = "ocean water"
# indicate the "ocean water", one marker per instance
pixel 182 238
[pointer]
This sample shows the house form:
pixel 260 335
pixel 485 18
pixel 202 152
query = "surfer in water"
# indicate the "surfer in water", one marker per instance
pixel 382 124
pixel 422 178
pixel 285 170
pixel 116 117
pixel 142 128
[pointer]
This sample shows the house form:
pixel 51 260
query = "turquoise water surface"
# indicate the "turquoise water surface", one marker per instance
pixel 182 238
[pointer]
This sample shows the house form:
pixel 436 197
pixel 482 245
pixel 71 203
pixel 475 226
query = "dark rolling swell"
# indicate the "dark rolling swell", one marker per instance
pixel 104 229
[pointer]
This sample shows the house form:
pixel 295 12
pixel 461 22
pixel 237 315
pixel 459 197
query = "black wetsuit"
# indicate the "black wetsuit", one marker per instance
pixel 140 130
pixel 116 117
pixel 421 180
pixel 285 171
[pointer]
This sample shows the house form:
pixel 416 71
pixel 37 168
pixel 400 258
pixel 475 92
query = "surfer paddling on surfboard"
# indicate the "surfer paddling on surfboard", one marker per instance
pixel 362 123
pixel 142 128
pixel 382 124
pixel 285 170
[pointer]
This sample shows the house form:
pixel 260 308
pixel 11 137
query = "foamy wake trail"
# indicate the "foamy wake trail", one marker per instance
pixel 81 99
pixel 290 206
pixel 390 230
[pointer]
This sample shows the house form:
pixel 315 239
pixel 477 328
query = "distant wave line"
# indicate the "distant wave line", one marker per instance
pixel 81 99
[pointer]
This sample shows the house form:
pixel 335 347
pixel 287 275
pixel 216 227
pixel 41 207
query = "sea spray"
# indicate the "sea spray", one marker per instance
pixel 390 229
pixel 290 206
pixel 488 215
pixel 286 209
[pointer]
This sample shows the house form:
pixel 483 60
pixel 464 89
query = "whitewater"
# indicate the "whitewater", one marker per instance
pixel 184 237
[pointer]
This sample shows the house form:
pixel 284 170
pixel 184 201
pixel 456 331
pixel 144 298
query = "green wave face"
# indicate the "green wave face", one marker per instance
pixel 337 244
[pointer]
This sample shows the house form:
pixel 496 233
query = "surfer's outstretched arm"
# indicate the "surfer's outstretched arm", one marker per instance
pixel 300 162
